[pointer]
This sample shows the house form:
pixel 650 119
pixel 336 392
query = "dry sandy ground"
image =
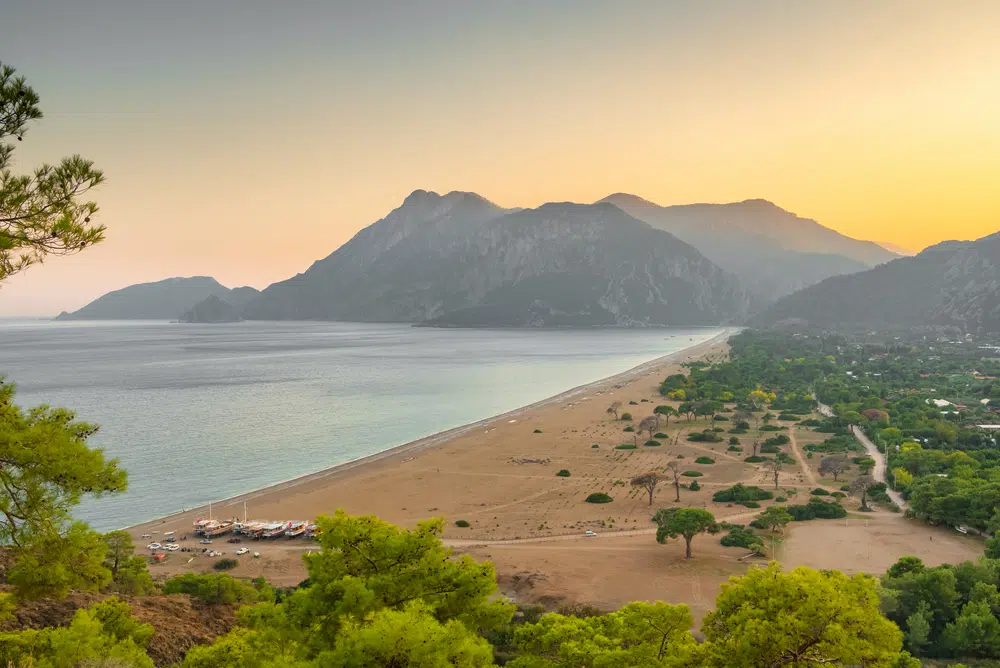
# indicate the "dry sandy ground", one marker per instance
pixel 499 475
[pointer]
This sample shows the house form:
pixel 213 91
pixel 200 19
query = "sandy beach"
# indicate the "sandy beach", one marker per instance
pixel 499 476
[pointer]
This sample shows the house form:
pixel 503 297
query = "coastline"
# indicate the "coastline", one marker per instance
pixel 340 471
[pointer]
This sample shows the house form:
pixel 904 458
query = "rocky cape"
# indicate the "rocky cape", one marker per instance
pixel 161 300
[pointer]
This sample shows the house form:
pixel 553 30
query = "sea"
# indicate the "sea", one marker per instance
pixel 198 413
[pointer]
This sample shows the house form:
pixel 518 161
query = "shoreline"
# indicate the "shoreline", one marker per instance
pixel 440 438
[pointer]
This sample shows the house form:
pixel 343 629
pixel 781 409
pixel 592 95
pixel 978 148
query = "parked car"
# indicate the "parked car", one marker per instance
pixel 171 540
pixel 242 550
pixel 205 541
pixel 589 533
pixel 172 548
pixel 235 540
pixel 153 546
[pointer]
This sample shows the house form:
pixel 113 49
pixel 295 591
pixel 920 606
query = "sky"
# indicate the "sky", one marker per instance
pixel 244 139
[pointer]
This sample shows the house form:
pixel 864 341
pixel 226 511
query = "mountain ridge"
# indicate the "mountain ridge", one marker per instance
pixel 166 299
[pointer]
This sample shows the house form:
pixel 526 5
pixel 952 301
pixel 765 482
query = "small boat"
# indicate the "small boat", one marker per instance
pixel 218 529
pixel 274 531
pixel 296 529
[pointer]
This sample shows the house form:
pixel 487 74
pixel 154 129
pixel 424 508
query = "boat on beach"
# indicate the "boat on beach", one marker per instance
pixel 296 529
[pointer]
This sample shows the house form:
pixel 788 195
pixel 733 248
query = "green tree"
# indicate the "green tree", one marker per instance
pixel 46 467
pixel 105 635
pixel 52 564
pixel 686 522
pixel 636 636
pixel 40 214
pixel 918 629
pixel 129 574
pixel 366 565
pixel 246 648
pixel 410 637
pixel 975 632
pixel 804 618
pixel 993 546
pixel 775 518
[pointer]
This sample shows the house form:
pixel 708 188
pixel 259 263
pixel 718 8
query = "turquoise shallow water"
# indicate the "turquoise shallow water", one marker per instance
pixel 202 412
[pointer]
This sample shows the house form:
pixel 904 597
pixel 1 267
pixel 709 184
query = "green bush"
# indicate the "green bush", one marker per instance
pixel 626 416
pixel 660 434
pixel 742 424
pixel 629 428
pixel 718 430
pixel 733 440
pixel 694 486
pixel 751 504
pixel 721 418
pixel 625 446
pixel 734 448
pixel 599 497
pixel 704 460
pixel 595 446
pixel 780 499
pixel 738 430
pixel 817 509
pixel 211 588
pixel 563 473
pixel 780 439
pixel 651 443
pixel 225 564
pixel 754 459
pixel 462 523
pixel 838 495
pixel 704 437
pixel 633 403
pixel 693 474
pixel 769 448
pixel 819 491
pixel 741 494
pixel 739 536
pixel 538 431
pixel 845 488
pixel 788 417
pixel 811 422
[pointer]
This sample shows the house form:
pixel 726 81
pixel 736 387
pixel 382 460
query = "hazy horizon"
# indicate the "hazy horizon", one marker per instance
pixel 245 140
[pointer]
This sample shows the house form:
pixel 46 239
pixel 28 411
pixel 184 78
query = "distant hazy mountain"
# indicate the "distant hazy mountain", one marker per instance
pixel 162 300
pixel 212 310
pixel 459 259
pixel 954 283
pixel 898 250
pixel 774 252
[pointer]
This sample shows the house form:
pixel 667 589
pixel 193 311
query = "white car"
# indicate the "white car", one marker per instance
pixel 153 546
pixel 242 550
pixel 588 533
pixel 205 541
pixel 173 547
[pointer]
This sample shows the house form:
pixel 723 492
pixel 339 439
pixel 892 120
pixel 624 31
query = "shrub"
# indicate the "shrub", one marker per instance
pixel 816 509
pixel 625 446
pixel 838 495
pixel 754 459
pixel 225 564
pixel 633 403
pixel 704 460
pixel 751 504
pixel 738 430
pixel 693 474
pixel 811 422
pixel 626 416
pixel 718 430
pixel 742 424
pixel 680 456
pixel 651 443
pixel 845 488
pixel 780 499
pixel 694 486
pixel 563 473
pixel 734 448
pixel 629 428
pixel 788 417
pixel 780 439
pixel 721 418
pixel 769 448
pixel 739 536
pixel 819 491
pixel 839 443
pixel 741 494
pixel 660 434
pixel 599 497
pixel 770 427
pixel 733 440
pixel 538 431
pixel 595 445
pixel 704 437
pixel 211 588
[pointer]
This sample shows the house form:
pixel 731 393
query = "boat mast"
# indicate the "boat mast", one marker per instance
pixel 209 510
pixel 244 512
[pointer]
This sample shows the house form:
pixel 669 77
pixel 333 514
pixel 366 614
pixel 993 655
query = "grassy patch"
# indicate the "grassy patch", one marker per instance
pixel 599 497
pixel 693 474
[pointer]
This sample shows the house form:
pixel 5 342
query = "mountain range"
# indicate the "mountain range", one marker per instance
pixel 954 283
pixel 460 260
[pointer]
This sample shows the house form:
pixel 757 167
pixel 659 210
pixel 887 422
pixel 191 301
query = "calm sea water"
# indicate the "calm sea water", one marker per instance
pixel 202 412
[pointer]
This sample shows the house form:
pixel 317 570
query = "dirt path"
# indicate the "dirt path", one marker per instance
pixel 794 446
pixel 878 472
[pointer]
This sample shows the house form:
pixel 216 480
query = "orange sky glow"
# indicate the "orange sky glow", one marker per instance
pixel 245 147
